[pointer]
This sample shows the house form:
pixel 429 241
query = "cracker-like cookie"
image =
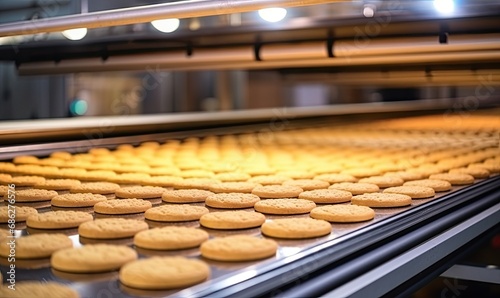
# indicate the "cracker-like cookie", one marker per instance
pixel 454 179
pixel 186 195
pixel 307 184
pixel 477 173
pixel 111 228
pixel 26 181
pixel 326 196
pixel 195 183
pixel 74 200
pixel 437 185
pixel 140 192
pixel 20 213
pixel 296 174
pixel 277 191
pixel 356 188
pixel 232 200
pixel 34 195
pixel 343 213
pixel 383 181
pixel 406 175
pixel 92 258
pixel 101 188
pixel 284 206
pixel 175 213
pixel 269 179
pixel 492 167
pixel 230 187
pixel 361 172
pixel 37 245
pixel 122 206
pixel 161 181
pixel 5 179
pixel 415 192
pixel 381 200
pixel 232 220
pixel 57 184
pixel 38 289
pixel 232 177
pixel 238 248
pixel 170 238
pixel 58 219
pixel 296 228
pixel 161 273
pixel 25 159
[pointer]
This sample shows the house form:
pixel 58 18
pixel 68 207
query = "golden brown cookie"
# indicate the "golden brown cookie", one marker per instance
pixel 170 238
pixel 92 258
pixel 18 212
pixel 231 187
pixel 343 213
pixel 186 195
pixel 361 172
pixel 73 200
pixel 232 220
pixel 437 185
pixel 34 195
pixel 381 200
pixel 383 181
pixel 26 181
pixel 162 273
pixel 477 173
pixel 454 179
pixel 269 179
pixel 140 192
pixel 415 192
pixel 122 206
pixel 406 175
pixel 25 159
pixel 232 200
pixel 58 219
pixel 57 184
pixel 38 289
pixel 284 206
pixel 111 228
pixel 128 178
pixel 356 188
pixel 296 174
pixel 326 196
pixel 161 181
pixel 37 245
pixel 175 213
pixel 238 248
pixel 195 183
pixel 232 177
pixel 5 179
pixel 100 188
pixel 307 184
pixel 277 191
pixel 296 228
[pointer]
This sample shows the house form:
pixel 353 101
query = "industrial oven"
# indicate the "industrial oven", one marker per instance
pixel 365 88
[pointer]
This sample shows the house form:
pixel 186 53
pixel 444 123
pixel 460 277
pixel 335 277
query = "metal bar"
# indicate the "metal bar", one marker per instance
pixel 489 275
pixel 148 13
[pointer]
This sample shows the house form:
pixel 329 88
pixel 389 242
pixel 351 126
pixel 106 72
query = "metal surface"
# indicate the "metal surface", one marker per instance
pixel 480 274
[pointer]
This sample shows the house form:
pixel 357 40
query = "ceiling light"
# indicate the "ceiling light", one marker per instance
pixel 444 6
pixel 166 25
pixel 272 15
pixel 75 34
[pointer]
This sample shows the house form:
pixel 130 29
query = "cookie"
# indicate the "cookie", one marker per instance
pixel 161 181
pixel 58 219
pixel 381 200
pixel 111 228
pixel 477 173
pixel 100 188
pixel 361 172
pixel 38 289
pixel 57 184
pixel 326 196
pixel 231 200
pixel 296 228
pixel 186 195
pixel 170 238
pixel 383 181
pixel 296 174
pixel 356 188
pixel 25 159
pixel 269 179
pixel 194 173
pixel 415 192
pixel 26 181
pixel 308 184
pixel 405 175
pixel 195 183
pixel 229 187
pixel 284 206
pixel 437 185
pixel 238 248
pixel 232 220
pixel 128 178
pixel 140 192
pixel 343 213
pixel 92 258
pixel 162 273
pixel 454 179
pixel 175 213
pixel 122 206
pixel 277 191
pixel 75 200
pixel 37 246
pixel 5 179
pixel 34 195
pixel 19 213
pixel 232 177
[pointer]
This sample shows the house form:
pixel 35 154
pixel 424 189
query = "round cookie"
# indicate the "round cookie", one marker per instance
pixel 492 167
pixel 307 184
pixel 232 220
pixel 437 185
pixel 162 273
pixel 161 181
pixel 477 173
pixel 170 238
pixel 381 200
pixel 415 192
pixel 37 245
pixel 195 183
pixel 356 188
pixel 405 175
pixel 277 191
pixel 5 179
pixel 284 206
pixel 232 187
pixel 140 192
pixel 454 179
pixel 27 181
pixel 186 195
pixel 326 196
pixel 175 213
pixel 128 178
pixel 34 195
pixel 100 188
pixel 111 228
pixel 383 181
pixel 361 172
pixel 238 248
pixel 296 174
pixel 343 213
pixel 232 177
pixel 122 206
pixel 38 289
pixel 92 258
pixel 58 219
pixel 57 184
pixel 232 200
pixel 296 228
pixel 269 179
pixel 76 200
pixel 21 213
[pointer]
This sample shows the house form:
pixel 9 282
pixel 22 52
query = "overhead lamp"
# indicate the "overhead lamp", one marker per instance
pixel 166 25
pixel 444 6
pixel 75 34
pixel 273 14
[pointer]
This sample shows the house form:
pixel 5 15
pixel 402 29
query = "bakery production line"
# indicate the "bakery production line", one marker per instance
pixel 383 124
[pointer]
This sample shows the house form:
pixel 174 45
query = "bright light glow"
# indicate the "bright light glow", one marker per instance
pixel 368 12
pixel 444 6
pixel 75 34
pixel 166 25
pixel 78 107
pixel 272 15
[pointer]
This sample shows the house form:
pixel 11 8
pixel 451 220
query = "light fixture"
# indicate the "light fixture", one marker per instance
pixel 444 6
pixel 272 15
pixel 75 34
pixel 78 107
pixel 166 25
pixel 368 11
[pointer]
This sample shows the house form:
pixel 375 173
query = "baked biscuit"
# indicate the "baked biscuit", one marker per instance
pixel 381 200
pixel 58 219
pixel 356 188
pixel 100 188
pixel 195 183
pixel 232 177
pixel 161 181
pixel 111 228
pixel 238 248
pixel 326 196
pixel 57 184
pixel 25 159
pixel 415 192
pixel 454 179
pixel 26 181
pixel 308 184
pixel 186 195
pixel 76 200
pixel 37 246
pixel 284 206
pixel 170 238
pixel 277 191
pixel 296 228
pixel 34 195
pixel 128 178
pixel 92 258
pixel 232 200
pixel 477 173
pixel 406 175
pixel 122 206
pixel 20 213
pixel 232 187
pixel 40 289
pixel 232 220
pixel 269 179
pixel 361 172
pixel 493 167
pixel 175 213
pixel 162 273
pixel 5 179
pixel 383 181
pixel 140 192
pixel 437 185
pixel 343 213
